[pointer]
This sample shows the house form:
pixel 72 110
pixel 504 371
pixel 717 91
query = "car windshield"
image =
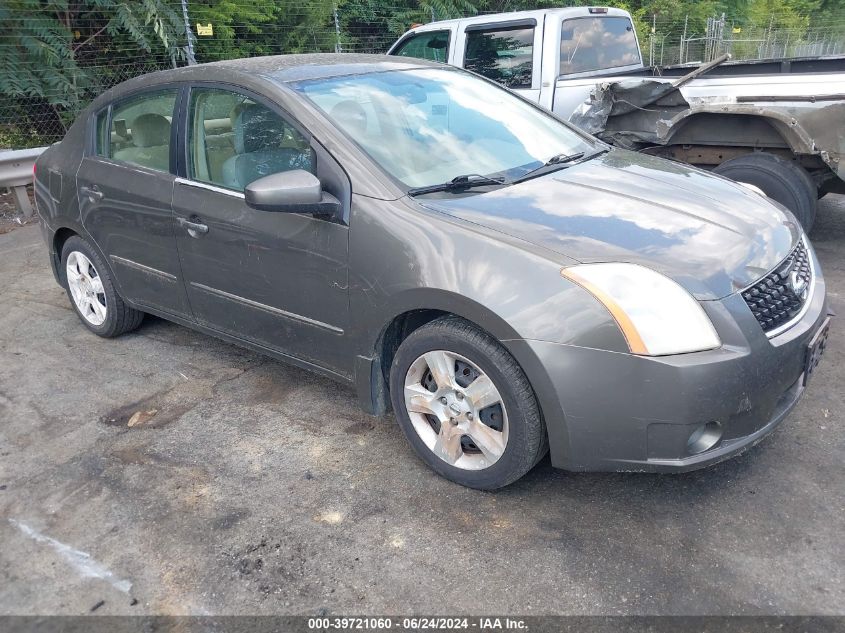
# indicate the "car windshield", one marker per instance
pixel 428 126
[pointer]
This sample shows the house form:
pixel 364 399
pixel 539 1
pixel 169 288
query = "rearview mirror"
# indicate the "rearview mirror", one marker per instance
pixel 294 191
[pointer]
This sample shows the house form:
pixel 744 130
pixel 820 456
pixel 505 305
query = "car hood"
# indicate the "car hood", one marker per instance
pixel 712 236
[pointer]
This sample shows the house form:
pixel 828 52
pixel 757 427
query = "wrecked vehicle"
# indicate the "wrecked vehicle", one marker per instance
pixel 398 226
pixel 776 125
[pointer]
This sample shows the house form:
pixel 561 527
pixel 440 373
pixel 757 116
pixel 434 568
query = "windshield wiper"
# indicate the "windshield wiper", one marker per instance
pixel 558 161
pixel 458 183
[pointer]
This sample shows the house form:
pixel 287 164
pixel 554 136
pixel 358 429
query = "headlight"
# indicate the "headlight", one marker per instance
pixel 656 315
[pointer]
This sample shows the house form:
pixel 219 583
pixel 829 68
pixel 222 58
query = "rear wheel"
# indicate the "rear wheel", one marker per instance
pixel 465 405
pixel 782 180
pixel 92 292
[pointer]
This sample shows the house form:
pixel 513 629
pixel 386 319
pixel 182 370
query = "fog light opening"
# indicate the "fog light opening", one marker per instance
pixel 705 437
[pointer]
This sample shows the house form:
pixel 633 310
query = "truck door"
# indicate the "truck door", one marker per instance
pixel 505 50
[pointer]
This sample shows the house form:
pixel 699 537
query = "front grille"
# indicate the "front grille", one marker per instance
pixel 779 296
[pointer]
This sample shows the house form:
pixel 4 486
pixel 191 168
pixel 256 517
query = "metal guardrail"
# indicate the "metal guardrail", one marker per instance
pixel 16 174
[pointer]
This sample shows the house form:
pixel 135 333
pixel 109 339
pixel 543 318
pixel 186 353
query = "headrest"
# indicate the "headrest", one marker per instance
pixel 350 116
pixel 150 130
pixel 234 112
pixel 257 129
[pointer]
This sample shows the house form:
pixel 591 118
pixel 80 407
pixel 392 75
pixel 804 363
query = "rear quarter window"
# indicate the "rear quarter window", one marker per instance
pixel 588 44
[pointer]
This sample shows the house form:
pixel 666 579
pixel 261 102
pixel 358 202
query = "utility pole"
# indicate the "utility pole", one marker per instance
pixel 189 49
pixel 651 39
pixel 337 46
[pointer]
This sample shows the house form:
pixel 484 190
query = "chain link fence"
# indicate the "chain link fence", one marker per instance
pixel 744 41
pixel 319 26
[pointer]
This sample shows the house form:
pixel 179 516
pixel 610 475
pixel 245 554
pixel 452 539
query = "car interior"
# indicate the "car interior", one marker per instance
pixel 250 142
pixel 233 140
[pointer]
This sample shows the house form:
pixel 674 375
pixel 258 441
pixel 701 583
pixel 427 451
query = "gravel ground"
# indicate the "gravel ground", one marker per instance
pixel 10 219
pixel 259 488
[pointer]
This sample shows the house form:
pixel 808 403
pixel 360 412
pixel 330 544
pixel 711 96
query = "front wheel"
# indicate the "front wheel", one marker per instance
pixel 465 405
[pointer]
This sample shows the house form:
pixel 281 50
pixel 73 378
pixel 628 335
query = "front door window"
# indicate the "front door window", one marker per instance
pixel 432 45
pixel 234 140
pixel 503 54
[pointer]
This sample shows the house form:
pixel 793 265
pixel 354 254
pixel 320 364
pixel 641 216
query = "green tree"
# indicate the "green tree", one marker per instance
pixel 244 28
pixel 57 52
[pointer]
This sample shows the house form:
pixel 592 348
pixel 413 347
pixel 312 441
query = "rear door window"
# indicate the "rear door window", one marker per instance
pixel 503 54
pixel 588 44
pixel 139 130
pixel 433 45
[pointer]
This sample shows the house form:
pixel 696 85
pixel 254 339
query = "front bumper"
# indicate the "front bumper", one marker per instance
pixel 609 411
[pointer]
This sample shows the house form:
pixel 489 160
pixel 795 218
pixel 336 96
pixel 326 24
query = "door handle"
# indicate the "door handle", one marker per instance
pixel 194 228
pixel 92 193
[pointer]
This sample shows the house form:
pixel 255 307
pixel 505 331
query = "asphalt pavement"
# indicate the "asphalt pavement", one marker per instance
pixel 245 486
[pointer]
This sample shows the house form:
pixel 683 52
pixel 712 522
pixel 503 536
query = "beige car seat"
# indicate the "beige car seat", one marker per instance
pixel 150 142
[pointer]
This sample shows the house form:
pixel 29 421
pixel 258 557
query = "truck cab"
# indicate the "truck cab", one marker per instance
pixel 772 124
pixel 529 51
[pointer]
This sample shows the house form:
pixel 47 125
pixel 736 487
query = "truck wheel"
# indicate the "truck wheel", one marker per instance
pixel 465 405
pixel 782 180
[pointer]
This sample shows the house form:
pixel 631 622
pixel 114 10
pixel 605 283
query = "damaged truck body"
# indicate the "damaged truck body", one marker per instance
pixel 774 124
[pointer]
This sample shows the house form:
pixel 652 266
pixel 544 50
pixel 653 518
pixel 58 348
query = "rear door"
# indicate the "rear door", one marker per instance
pixel 276 279
pixel 125 187
pixel 507 51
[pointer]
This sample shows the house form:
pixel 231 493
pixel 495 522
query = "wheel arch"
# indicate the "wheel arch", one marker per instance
pixel 373 373
pixel 410 311
pixel 775 129
pixel 372 370
pixel 60 236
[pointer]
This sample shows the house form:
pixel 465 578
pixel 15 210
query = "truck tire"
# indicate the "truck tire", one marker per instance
pixel 782 180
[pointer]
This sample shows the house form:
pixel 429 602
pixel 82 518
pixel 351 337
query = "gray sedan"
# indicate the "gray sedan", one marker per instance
pixel 508 285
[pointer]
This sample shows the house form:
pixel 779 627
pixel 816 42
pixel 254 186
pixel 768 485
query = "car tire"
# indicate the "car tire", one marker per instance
pixel 515 441
pixel 780 179
pixel 91 291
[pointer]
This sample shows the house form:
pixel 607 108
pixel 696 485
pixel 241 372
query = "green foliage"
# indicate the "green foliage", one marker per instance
pixel 58 54
pixel 257 27
pixel 54 50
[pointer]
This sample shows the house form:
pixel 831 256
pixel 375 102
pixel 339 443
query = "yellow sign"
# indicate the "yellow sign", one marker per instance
pixel 205 29
pixel 737 29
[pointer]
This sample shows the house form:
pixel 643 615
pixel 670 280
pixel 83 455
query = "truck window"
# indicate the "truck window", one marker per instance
pixel 503 54
pixel 433 45
pixel 597 43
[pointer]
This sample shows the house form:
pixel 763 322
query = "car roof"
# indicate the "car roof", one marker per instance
pixel 278 68
pixel 252 72
pixel 565 12
pixel 287 68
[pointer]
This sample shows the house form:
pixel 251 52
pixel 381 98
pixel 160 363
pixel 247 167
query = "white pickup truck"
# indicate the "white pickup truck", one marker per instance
pixel 775 124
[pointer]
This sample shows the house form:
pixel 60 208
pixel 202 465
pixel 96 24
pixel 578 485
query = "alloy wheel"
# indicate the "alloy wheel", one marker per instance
pixel 86 288
pixel 456 410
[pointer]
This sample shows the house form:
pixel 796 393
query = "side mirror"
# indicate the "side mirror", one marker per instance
pixel 294 191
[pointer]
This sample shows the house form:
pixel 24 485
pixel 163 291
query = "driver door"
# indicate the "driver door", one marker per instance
pixel 278 280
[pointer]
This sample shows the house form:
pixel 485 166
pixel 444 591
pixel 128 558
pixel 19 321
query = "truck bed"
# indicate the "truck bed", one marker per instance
pixel 798 65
